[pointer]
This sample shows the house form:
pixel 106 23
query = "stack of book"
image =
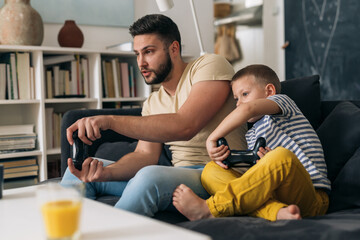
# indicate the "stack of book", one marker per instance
pixel 118 79
pixel 17 80
pixel 15 138
pixel 67 76
pixel 53 126
pixel 20 172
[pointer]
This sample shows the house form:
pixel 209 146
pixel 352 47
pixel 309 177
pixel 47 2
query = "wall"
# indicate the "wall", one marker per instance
pixel 259 45
pixel 274 35
pixel 100 37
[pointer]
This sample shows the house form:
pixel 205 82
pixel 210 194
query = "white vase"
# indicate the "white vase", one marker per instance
pixel 20 24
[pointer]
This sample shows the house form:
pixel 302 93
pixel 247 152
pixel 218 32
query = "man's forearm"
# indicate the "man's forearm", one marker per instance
pixel 156 128
pixel 128 166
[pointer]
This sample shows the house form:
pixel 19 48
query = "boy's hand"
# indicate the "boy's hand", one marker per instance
pixel 263 151
pixel 217 154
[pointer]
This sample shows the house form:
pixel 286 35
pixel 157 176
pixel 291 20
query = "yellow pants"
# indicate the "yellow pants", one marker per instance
pixel 276 181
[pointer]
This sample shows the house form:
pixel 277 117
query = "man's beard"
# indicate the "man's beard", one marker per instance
pixel 162 73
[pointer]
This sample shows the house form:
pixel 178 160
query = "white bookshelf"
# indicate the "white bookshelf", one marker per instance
pixel 33 111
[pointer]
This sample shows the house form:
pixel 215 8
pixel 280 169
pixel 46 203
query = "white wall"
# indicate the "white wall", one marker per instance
pixel 262 44
pixel 274 35
pixel 100 37
pixel 259 45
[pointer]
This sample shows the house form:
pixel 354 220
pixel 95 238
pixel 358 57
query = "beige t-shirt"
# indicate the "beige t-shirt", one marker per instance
pixel 206 68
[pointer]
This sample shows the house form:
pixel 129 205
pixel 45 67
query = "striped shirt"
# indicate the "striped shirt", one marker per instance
pixel 291 130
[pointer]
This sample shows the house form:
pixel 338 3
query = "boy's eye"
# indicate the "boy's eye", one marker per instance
pixel 245 94
pixel 236 99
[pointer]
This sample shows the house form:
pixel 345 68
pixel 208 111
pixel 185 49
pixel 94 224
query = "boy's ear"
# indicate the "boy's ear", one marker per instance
pixel 270 89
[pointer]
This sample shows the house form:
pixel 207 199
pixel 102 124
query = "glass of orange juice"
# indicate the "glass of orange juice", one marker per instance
pixel 60 207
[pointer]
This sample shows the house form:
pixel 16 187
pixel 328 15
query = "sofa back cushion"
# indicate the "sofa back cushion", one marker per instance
pixel 345 193
pixel 305 92
pixel 340 136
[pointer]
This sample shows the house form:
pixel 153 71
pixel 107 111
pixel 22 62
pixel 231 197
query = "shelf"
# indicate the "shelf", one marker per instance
pixel 21 154
pixel 71 100
pixel 53 151
pixel 46 113
pixel 30 101
pixel 130 99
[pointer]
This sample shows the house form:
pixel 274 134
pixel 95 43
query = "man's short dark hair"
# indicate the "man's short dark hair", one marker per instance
pixel 158 24
pixel 262 73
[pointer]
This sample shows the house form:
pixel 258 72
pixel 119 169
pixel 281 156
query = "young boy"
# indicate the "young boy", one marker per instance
pixel 290 179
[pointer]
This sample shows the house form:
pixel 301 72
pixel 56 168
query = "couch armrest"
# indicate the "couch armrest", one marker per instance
pixel 106 136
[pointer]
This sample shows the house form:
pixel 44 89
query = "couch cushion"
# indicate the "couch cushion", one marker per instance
pixel 340 136
pixel 115 150
pixel 305 92
pixel 345 193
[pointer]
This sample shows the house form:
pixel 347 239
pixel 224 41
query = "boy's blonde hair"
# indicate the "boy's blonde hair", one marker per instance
pixel 262 73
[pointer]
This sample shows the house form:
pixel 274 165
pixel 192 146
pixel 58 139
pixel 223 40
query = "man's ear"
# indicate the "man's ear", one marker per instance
pixel 174 48
pixel 270 89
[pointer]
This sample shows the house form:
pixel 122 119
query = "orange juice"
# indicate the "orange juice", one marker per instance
pixel 61 218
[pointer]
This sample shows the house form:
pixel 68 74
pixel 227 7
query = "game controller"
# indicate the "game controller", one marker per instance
pixel 243 158
pixel 79 151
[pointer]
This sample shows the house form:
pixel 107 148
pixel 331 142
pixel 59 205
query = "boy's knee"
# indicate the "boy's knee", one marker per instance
pixel 210 171
pixel 281 154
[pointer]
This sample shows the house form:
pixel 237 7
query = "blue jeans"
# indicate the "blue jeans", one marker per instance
pixel 149 191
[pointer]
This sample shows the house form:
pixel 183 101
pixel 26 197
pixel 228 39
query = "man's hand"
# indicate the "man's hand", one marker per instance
pixel 92 171
pixel 217 154
pixel 88 128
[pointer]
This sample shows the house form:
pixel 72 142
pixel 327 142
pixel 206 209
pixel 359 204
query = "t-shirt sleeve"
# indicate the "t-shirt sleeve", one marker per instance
pixel 211 67
pixel 286 104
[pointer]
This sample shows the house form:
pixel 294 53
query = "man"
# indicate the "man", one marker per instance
pixel 191 102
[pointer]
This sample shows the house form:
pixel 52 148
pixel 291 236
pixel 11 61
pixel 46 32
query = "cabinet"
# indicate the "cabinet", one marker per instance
pixel 33 111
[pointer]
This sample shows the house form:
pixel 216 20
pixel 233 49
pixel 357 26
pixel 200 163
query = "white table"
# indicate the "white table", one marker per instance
pixel 20 219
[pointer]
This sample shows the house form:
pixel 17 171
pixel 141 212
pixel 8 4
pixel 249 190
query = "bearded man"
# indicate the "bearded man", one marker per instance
pixel 192 100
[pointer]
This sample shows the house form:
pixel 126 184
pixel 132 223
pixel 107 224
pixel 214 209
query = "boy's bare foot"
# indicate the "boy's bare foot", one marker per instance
pixel 289 212
pixel 189 204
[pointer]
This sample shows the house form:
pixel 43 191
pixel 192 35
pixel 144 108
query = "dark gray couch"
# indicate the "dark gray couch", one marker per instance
pixel 337 124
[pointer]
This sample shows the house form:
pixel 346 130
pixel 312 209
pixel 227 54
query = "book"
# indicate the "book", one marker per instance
pixel 8 82
pixel 73 78
pixel 125 79
pixel 104 82
pixel 109 80
pixel 16 129
pixel 2 81
pixel 116 77
pixel 20 174
pixel 85 76
pixel 13 77
pixel 18 162
pixel 132 81
pixel 20 182
pixel 32 83
pixel 23 74
pixel 50 60
pixel 56 80
pixel 17 142
pixel 49 127
pixel 49 84
pixel 34 167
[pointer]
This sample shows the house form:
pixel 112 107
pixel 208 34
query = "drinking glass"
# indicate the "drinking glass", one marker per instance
pixel 60 207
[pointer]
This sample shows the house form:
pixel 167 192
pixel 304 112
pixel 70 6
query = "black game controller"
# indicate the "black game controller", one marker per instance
pixel 79 151
pixel 242 158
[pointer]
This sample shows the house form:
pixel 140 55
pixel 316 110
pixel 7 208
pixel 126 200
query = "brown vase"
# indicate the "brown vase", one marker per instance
pixel 20 24
pixel 70 35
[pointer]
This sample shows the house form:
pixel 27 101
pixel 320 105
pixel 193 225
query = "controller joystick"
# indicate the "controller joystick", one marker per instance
pixel 242 158
pixel 79 151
